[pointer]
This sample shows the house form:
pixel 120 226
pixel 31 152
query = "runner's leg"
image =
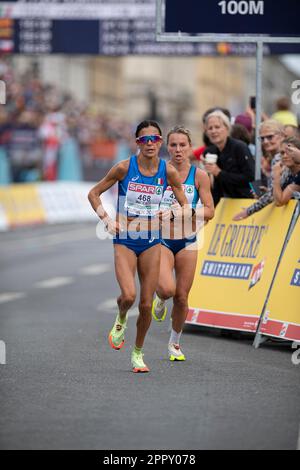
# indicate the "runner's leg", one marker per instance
pixel 125 268
pixel 166 282
pixel 185 265
pixel 148 270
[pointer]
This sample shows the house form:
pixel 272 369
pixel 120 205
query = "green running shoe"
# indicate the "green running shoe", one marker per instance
pixel 175 353
pixel 116 336
pixel 159 309
pixel 137 362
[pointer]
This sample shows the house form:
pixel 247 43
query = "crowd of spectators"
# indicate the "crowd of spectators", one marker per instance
pixel 38 119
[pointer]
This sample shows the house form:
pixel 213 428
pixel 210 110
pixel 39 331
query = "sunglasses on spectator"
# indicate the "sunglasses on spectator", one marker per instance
pixel 267 137
pixel 144 139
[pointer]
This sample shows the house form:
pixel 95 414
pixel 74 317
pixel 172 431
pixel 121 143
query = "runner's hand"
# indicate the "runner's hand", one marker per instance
pixel 111 226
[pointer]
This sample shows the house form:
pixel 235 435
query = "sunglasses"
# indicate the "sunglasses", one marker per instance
pixel 267 137
pixel 144 139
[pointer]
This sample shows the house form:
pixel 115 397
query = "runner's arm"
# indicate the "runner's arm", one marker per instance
pixel 115 174
pixel 174 182
pixel 207 211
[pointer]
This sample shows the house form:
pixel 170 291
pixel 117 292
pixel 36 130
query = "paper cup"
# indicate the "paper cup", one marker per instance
pixel 211 158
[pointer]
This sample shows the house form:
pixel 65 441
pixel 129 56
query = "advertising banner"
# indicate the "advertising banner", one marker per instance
pixel 236 265
pixel 282 315
pixel 22 205
pixel 51 203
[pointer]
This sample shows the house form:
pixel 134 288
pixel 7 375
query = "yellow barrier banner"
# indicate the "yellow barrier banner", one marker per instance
pixel 22 205
pixel 236 265
pixel 282 316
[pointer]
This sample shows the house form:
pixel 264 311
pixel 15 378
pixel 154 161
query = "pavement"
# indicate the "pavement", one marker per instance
pixel 63 387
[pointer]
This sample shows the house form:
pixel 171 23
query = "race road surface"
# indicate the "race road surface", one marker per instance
pixel 62 387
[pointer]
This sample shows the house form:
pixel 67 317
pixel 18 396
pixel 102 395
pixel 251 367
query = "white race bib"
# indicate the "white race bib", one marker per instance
pixel 169 197
pixel 143 199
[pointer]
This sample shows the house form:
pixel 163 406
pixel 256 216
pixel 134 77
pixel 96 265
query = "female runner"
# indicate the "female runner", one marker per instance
pixel 179 250
pixel 142 180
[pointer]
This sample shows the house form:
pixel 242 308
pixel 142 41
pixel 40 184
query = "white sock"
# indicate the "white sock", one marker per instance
pixel 175 337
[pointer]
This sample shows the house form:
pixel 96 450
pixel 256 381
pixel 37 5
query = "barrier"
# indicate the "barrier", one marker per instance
pixel 21 205
pixel 5 176
pixel 236 266
pixel 281 317
pixel 59 202
pixel 69 161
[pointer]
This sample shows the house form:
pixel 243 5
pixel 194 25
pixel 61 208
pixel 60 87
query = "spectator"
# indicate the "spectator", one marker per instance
pixel 245 120
pixel 239 132
pixel 25 152
pixel 197 154
pixel 291 131
pixel 283 114
pixel 282 193
pixel 234 169
pixel 271 135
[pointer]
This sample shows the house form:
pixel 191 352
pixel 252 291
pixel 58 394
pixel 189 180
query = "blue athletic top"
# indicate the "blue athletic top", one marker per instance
pixel 141 195
pixel 190 190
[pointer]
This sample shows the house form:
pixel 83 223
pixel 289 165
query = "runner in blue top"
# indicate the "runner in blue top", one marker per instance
pixel 179 246
pixel 142 180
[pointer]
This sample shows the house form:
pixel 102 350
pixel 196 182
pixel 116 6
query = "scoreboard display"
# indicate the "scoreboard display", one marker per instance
pixel 99 27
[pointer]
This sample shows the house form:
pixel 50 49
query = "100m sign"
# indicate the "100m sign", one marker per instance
pixel 242 8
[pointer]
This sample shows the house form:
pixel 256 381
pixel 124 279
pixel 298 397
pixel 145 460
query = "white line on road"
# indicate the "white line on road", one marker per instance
pixel 95 269
pixel 9 296
pixel 298 443
pixel 52 239
pixel 54 282
pixel 109 304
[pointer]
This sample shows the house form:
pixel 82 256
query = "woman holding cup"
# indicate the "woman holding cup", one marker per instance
pixel 229 161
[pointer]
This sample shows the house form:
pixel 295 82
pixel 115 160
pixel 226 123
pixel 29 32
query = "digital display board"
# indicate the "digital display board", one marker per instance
pixel 243 17
pixel 100 27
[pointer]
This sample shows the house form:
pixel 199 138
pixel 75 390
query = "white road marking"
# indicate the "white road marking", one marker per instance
pixel 298 443
pixel 52 239
pixel 9 296
pixel 54 282
pixel 110 306
pixel 95 269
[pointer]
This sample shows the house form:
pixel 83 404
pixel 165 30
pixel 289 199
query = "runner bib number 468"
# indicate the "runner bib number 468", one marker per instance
pixel 143 199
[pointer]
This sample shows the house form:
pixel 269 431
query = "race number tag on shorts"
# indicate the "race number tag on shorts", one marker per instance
pixel 169 197
pixel 143 199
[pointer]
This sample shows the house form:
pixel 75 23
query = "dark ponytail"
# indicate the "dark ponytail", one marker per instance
pixel 145 124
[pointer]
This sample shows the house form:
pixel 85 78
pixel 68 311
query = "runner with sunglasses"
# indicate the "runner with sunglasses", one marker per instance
pixel 179 247
pixel 142 181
